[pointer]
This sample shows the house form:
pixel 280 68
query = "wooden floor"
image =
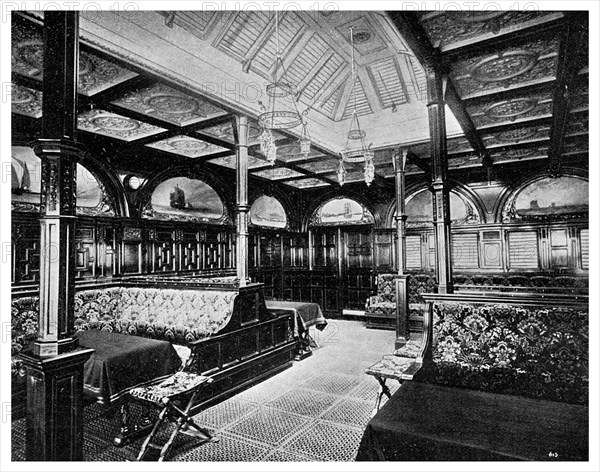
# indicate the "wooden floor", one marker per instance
pixel 314 411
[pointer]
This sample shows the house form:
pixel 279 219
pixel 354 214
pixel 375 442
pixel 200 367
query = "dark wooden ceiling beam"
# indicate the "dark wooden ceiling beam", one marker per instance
pixel 418 41
pixel 459 110
pixel 422 164
pixel 569 57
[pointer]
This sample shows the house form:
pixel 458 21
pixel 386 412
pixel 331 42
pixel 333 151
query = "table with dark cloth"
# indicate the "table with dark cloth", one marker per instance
pixel 425 422
pixel 121 361
pixel 307 314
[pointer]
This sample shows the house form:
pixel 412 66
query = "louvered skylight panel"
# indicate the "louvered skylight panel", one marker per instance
pixel 307 59
pixel 362 104
pixel 387 82
pixel 243 32
pixel 327 73
pixel 289 26
pixel 328 107
pixel 194 21
pixel 421 84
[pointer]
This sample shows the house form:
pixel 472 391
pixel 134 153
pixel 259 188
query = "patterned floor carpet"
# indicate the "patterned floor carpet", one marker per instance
pixel 314 411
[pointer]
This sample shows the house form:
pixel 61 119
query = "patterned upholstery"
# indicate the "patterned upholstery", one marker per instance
pixel 24 329
pixel 179 316
pixel 527 351
pixel 384 303
pixel 177 384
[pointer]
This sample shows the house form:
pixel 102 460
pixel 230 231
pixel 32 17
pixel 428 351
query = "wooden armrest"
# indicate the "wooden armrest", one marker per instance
pixel 412 370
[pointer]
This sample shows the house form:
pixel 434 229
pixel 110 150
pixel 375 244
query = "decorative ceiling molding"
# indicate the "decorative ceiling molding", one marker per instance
pixel 306 183
pixel 451 30
pixel 516 66
pixel 230 162
pixel 277 173
pixel 535 105
pixel 26 101
pixel 186 146
pixel 115 126
pixel 165 103
pixel 95 74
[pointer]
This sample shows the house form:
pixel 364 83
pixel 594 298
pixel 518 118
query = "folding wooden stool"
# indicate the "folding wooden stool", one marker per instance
pixel 165 395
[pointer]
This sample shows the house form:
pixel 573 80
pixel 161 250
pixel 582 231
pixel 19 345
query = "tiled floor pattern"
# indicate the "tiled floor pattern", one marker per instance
pixel 314 411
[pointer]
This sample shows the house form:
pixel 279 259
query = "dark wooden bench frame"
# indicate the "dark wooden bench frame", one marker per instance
pixel 449 445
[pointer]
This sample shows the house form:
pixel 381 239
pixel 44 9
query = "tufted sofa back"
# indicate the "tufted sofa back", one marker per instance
pixel 179 316
pixel 533 351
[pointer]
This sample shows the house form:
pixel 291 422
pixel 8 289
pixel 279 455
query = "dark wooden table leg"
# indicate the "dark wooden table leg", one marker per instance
pixel 128 430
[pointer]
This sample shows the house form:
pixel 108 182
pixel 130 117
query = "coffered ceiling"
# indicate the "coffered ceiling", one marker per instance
pixel 169 84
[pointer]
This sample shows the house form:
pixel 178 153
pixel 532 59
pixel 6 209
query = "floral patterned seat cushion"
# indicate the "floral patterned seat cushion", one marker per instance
pixel 177 384
pixel 23 329
pixel 538 353
pixel 179 316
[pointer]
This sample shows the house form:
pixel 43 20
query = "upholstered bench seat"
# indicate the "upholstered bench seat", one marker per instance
pixel 425 422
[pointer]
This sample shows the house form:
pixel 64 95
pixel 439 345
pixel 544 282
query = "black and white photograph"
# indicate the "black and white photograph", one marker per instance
pixel 350 235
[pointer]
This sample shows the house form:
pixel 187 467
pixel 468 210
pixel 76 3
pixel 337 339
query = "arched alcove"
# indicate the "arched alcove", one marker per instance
pixel 182 198
pixel 26 177
pixel 341 211
pixel 267 211
pixel 548 198
pixel 419 209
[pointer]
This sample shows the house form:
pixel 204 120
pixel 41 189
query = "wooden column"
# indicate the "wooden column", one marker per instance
pixel 242 199
pixel 55 366
pixel 402 331
pixel 439 179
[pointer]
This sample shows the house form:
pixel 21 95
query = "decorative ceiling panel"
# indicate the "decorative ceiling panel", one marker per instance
pixel 291 152
pixel 225 131
pixel 530 63
pixel 278 173
pixel 115 126
pixel 186 146
pixel 575 145
pixel 450 30
pixel 579 97
pixel 26 101
pixel 95 74
pixel 469 160
pixel 386 77
pixel 306 183
pixel 321 166
pixel 458 145
pixel 520 153
pixel 230 162
pixel 366 39
pixel 578 124
pixel 536 105
pixel 165 103
pixel 517 136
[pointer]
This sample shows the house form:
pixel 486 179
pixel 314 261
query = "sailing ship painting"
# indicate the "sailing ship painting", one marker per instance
pixel 25 176
pixel 553 196
pixel 344 210
pixel 267 211
pixel 182 196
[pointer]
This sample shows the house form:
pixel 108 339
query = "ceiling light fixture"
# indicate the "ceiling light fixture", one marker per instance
pixel 274 118
pixel 356 150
